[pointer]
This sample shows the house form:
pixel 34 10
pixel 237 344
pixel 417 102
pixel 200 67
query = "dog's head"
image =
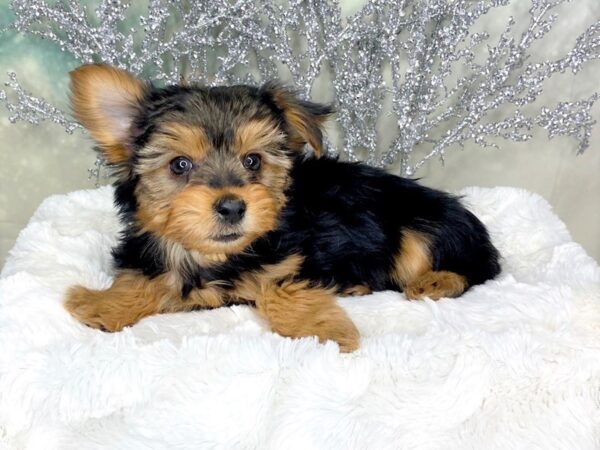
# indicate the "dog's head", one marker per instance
pixel 209 166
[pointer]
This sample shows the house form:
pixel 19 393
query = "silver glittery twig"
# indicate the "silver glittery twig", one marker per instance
pixel 412 67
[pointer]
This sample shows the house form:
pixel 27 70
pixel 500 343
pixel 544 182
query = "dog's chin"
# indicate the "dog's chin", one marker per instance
pixel 225 243
pixel 228 237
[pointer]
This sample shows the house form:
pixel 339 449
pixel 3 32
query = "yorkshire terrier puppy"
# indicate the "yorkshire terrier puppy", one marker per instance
pixel 221 204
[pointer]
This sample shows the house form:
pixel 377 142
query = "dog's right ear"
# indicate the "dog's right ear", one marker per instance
pixel 106 100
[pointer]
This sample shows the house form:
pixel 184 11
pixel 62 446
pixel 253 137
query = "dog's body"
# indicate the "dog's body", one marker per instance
pixel 221 206
pixel 346 221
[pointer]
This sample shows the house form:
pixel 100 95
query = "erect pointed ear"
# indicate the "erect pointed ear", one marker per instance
pixel 304 119
pixel 105 100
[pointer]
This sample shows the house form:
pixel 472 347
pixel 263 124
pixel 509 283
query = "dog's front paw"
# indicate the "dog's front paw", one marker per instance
pixel 89 308
pixel 296 310
pixel 328 324
pixel 341 330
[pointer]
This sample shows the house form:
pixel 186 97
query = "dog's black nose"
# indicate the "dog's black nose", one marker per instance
pixel 230 209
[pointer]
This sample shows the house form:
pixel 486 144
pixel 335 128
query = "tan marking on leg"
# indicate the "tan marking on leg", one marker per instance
pixel 296 310
pixel 251 284
pixel 436 285
pixel 359 289
pixel 211 296
pixel 413 259
pixel 132 297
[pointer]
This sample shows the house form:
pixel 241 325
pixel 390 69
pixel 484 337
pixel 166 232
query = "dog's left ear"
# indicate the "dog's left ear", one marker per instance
pixel 304 119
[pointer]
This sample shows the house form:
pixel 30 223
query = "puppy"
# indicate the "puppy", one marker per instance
pixel 221 205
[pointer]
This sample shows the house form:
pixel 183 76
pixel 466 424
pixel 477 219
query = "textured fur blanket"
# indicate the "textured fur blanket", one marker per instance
pixel 512 364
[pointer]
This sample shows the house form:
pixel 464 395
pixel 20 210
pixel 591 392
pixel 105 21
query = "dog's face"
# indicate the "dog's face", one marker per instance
pixel 210 165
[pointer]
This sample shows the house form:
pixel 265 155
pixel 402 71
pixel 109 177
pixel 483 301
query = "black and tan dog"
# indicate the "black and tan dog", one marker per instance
pixel 221 205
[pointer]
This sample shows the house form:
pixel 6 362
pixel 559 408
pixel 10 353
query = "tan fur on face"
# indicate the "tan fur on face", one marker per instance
pixel 157 186
pixel 413 259
pixel 264 138
pixel 258 135
pixel 275 175
pixel 104 99
pixel 192 222
pixel 182 212
pixel 183 140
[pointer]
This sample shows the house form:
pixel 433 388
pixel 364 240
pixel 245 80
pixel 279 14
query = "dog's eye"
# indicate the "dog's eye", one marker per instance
pixel 180 165
pixel 252 161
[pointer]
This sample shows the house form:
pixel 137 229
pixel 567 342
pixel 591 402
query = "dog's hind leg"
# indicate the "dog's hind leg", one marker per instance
pixel 296 309
pixel 413 273
pixel 436 285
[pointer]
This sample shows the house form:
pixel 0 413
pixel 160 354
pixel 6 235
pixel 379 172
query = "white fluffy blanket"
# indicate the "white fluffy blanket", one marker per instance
pixel 513 364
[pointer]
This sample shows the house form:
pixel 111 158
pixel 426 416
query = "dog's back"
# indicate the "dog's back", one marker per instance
pixel 349 221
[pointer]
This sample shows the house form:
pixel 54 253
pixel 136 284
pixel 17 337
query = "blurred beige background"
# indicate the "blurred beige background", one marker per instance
pixel 38 161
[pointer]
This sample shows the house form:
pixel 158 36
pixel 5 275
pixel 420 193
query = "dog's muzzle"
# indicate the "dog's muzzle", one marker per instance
pixel 230 209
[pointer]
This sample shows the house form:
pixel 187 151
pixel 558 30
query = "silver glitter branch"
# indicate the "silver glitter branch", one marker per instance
pixel 33 109
pixel 414 68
